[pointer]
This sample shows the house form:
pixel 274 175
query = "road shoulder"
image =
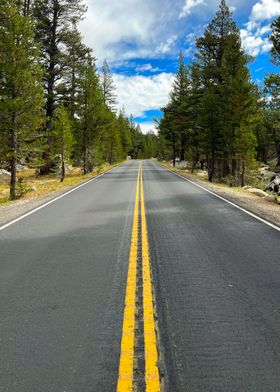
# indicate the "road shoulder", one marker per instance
pixel 255 204
pixel 17 208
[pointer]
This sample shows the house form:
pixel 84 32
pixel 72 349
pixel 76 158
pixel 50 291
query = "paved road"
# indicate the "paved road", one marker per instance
pixel 63 275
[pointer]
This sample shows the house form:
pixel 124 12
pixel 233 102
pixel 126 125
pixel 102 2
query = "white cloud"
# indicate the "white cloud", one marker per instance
pixel 139 93
pixel 110 22
pixel 254 43
pixel 166 47
pixel 255 35
pixel 188 7
pixel 148 127
pixel 265 9
pixel 146 68
pixel 128 29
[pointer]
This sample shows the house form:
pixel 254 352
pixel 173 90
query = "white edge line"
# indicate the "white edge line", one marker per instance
pixel 227 201
pixel 53 200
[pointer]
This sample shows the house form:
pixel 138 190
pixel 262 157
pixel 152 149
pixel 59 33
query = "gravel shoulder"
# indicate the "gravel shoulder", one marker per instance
pixel 255 204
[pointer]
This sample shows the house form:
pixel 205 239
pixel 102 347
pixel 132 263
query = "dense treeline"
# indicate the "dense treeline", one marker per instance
pixel 54 104
pixel 217 118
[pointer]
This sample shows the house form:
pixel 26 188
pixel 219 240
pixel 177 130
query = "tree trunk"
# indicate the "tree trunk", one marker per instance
pixel 26 9
pixel 50 98
pixel 62 170
pixel 243 173
pixel 233 167
pixel 174 152
pixel 13 183
pixel 211 163
pixel 278 153
pixel 210 170
pixel 85 152
pixel 226 168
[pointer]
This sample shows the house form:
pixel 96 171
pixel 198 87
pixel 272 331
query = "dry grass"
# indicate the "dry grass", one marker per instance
pixel 45 185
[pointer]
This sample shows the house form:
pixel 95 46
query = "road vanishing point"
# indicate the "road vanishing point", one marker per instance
pixel 139 280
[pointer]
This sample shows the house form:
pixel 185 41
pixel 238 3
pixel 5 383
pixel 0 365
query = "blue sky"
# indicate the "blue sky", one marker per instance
pixel 141 40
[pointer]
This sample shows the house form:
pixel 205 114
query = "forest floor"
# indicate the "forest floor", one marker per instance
pixel 264 207
pixel 41 189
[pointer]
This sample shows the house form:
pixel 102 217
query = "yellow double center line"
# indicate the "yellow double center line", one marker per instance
pixel 126 369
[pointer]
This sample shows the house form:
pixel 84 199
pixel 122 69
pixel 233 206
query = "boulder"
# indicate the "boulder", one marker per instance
pixel 22 167
pixel 265 173
pixel 274 185
pixel 5 177
pixel 181 165
pixel 246 187
pixel 257 192
pixel 270 198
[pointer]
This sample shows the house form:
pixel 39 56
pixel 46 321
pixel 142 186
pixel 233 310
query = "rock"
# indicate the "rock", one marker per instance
pixel 274 185
pixel 257 192
pixel 33 188
pixel 22 167
pixel 182 165
pixel 68 169
pixel 266 174
pixel 277 200
pixel 270 198
pixel 5 177
pixel 247 187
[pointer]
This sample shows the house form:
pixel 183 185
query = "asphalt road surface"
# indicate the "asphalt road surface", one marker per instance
pixel 64 279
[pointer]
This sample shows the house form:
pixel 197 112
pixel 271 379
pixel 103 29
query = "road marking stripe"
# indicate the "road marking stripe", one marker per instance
pixel 151 354
pixel 125 380
pixel 227 201
pixel 53 200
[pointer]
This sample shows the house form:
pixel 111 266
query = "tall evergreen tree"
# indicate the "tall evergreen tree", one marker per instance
pixel 272 90
pixel 180 105
pixel 275 39
pixel 55 20
pixel 63 138
pixel 20 90
pixel 226 83
pixel 108 87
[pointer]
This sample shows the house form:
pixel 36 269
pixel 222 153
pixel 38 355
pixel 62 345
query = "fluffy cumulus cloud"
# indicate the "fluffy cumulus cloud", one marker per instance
pixel 166 46
pixel 255 34
pixel 139 94
pixel 110 22
pixel 134 34
pixel 146 68
pixel 265 9
pixel 188 7
pixel 129 28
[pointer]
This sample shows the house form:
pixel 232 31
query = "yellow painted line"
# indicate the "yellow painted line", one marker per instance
pixel 125 380
pixel 151 354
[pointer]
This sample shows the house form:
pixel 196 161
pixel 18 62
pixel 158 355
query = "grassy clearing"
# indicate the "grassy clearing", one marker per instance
pixel 44 185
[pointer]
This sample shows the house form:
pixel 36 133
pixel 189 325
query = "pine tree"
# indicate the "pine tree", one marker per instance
pixel 63 138
pixel 275 39
pixel 77 55
pixel 272 91
pixel 180 105
pixel 226 86
pixel 55 19
pixel 168 131
pixel 20 90
pixel 272 112
pixel 108 87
